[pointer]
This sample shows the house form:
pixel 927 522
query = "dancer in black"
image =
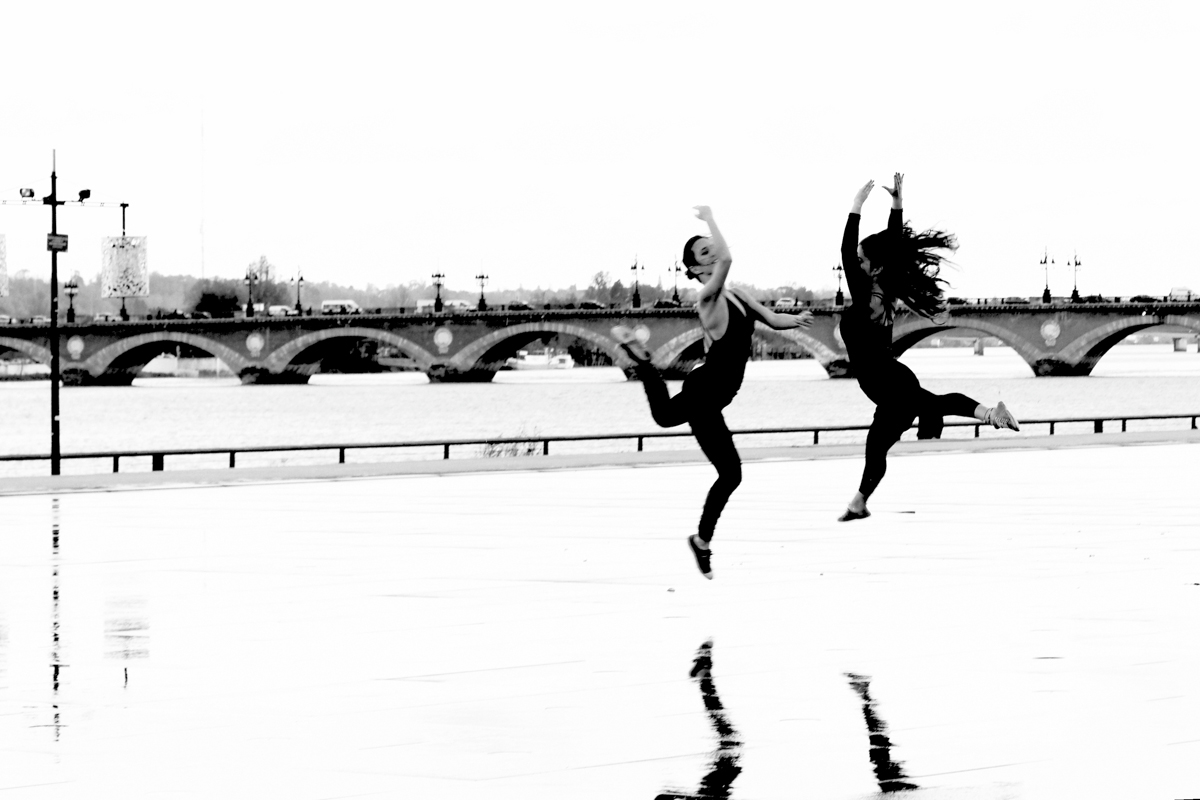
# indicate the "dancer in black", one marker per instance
pixel 890 268
pixel 727 316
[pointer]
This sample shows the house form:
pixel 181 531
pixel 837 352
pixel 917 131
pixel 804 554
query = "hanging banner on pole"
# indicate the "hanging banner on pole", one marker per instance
pixel 123 271
pixel 3 267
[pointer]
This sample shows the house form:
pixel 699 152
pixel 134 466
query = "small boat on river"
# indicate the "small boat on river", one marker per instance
pixel 546 359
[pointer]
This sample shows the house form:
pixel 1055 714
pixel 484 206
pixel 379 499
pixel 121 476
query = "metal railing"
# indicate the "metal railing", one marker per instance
pixel 158 457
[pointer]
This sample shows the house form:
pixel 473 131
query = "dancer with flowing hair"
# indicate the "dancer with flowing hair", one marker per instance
pixel 727 316
pixel 896 267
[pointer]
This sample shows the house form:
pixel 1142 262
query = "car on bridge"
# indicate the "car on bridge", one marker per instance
pixel 340 307
pixel 280 311
pixel 40 320
pixel 5 319
pixel 590 305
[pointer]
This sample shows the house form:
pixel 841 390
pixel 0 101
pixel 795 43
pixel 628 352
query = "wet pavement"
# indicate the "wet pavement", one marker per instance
pixel 1008 624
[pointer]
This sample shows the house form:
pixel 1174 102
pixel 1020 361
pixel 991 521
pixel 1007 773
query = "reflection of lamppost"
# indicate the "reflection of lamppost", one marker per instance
pixel 676 270
pixel 1046 262
pixel 482 279
pixel 438 279
pixel 1075 265
pixel 71 287
pixel 637 297
pixel 840 298
pixel 298 281
pixel 249 281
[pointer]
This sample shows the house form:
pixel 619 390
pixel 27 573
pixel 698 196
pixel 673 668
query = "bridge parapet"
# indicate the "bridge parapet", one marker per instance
pixel 1055 339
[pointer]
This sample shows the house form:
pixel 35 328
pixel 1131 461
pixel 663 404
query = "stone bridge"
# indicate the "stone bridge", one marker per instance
pixel 1065 339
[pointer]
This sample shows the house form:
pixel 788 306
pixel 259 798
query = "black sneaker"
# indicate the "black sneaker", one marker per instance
pixel 702 557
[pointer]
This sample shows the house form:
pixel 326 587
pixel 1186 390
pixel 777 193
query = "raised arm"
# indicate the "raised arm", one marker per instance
pixel 857 280
pixel 712 288
pixel 896 215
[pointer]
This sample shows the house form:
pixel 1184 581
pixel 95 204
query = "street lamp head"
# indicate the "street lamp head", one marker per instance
pixel 27 194
pixel 84 194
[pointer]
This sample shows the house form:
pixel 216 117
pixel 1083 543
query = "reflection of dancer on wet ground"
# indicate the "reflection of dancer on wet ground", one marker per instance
pixel 715 785
pixel 727 316
pixel 889 268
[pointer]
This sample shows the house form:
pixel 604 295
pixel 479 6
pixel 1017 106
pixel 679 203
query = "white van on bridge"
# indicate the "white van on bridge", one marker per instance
pixel 340 307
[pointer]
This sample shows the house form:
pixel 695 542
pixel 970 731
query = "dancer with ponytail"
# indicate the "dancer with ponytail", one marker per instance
pixel 888 269
pixel 727 316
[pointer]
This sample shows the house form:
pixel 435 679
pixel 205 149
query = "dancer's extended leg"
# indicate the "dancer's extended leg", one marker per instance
pixel 936 406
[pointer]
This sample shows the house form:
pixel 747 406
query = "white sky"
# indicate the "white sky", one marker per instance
pixel 543 142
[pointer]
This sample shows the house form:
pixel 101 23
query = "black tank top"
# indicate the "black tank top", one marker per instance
pixel 724 368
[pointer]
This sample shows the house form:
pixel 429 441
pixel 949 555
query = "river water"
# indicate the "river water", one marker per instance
pixel 170 413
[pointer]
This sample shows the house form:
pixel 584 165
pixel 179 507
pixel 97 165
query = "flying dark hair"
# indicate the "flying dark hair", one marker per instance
pixel 689 258
pixel 909 265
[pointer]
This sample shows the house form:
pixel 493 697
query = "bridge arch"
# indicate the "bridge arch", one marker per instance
pixel 913 329
pixel 1088 349
pixel 36 352
pixel 468 358
pixel 281 357
pixel 103 359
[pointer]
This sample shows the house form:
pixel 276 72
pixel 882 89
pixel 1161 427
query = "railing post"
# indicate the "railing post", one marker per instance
pixel 640 438
pixel 545 447
pixel 1123 425
pixel 976 431
pixel 1098 426
pixel 156 462
pixel 341 455
pixel 1051 428
pixel 117 459
pixel 446 451
pixel 816 437
pixel 232 458
pixel 1193 423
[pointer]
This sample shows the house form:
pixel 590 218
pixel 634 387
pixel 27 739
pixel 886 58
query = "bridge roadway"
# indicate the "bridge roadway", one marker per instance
pixel 1054 339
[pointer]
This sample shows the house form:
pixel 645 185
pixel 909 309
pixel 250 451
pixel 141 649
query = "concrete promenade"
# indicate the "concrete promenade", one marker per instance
pixel 1022 617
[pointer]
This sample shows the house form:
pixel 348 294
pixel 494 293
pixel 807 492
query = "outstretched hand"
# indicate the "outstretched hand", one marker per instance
pixel 801 320
pixel 863 193
pixel 895 191
pixel 704 213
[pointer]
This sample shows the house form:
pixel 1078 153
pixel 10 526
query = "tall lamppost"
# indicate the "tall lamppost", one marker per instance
pixel 482 279
pixel 71 287
pixel 1046 262
pixel 249 281
pixel 438 279
pixel 677 269
pixel 298 281
pixel 840 298
pixel 637 297
pixel 56 243
pixel 1075 265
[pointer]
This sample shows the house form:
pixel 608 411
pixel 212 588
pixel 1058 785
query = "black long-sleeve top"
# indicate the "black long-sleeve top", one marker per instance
pixel 867 323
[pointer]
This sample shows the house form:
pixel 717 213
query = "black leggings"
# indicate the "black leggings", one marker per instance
pixel 899 399
pixel 711 432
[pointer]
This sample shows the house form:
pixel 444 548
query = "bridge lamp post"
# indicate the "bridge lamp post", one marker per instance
pixel 839 298
pixel 1046 262
pixel 438 279
pixel 1075 265
pixel 249 281
pixel 675 296
pixel 482 279
pixel 71 287
pixel 298 281
pixel 637 297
